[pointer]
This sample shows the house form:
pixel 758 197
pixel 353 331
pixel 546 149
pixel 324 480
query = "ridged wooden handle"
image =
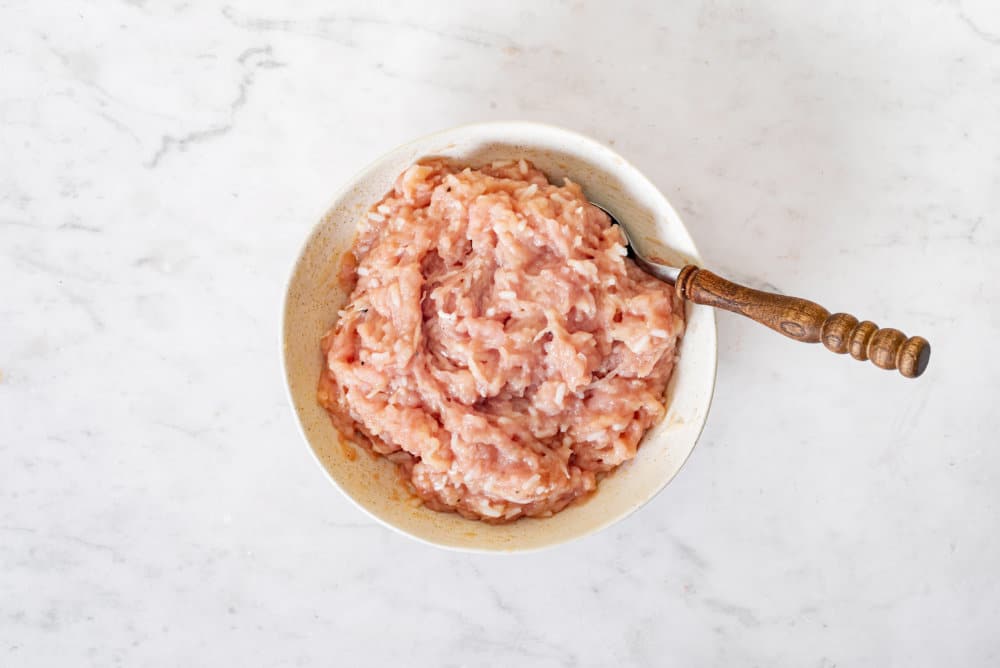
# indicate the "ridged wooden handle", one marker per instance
pixel 807 321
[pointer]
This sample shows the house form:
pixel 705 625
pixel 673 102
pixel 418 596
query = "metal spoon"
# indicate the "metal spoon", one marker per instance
pixel 796 318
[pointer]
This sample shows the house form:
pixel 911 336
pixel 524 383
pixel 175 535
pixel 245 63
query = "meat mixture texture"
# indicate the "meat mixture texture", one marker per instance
pixel 498 345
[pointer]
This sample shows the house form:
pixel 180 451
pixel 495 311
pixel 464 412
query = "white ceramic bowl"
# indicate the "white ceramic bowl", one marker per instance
pixel 314 297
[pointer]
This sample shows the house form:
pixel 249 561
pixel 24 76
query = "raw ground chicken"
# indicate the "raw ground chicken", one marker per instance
pixel 497 345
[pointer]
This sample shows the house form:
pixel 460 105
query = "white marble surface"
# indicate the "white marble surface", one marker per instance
pixel 160 164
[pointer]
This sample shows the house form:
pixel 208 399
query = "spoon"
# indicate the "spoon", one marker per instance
pixel 796 318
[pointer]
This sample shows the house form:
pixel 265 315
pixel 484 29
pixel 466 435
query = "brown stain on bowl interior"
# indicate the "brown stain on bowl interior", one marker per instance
pixel 674 420
pixel 348 451
pixel 347 271
pixel 657 252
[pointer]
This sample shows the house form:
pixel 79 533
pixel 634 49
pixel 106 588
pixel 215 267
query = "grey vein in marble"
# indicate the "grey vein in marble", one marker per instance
pixel 252 60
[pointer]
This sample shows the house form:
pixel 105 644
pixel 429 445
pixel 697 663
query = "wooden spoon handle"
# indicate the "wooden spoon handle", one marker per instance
pixel 807 321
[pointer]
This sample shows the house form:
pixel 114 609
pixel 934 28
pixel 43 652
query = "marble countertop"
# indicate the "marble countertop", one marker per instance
pixel 160 165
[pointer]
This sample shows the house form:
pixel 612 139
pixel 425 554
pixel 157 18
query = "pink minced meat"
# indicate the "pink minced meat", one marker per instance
pixel 497 345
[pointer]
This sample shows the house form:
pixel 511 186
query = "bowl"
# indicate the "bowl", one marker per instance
pixel 314 296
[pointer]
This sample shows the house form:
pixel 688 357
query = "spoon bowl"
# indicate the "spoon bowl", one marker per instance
pixel 661 270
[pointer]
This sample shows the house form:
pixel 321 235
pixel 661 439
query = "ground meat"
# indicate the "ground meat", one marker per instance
pixel 497 344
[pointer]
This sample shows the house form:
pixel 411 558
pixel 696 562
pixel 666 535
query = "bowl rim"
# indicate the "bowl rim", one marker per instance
pixel 345 188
